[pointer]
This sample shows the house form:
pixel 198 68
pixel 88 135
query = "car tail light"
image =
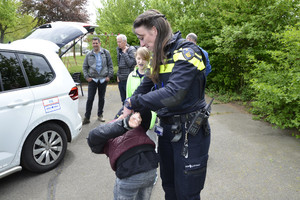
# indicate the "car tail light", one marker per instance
pixel 74 93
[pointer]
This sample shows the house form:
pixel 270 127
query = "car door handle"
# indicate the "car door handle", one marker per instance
pixel 19 102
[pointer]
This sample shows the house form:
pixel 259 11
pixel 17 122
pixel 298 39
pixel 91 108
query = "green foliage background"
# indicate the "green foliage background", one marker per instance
pixel 253 47
pixel 13 25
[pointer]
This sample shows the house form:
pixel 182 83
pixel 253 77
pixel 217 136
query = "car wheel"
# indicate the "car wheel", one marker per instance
pixel 45 148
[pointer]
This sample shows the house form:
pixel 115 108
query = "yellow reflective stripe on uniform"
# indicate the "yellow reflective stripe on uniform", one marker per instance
pixel 167 68
pixel 164 68
pixel 178 55
pixel 197 63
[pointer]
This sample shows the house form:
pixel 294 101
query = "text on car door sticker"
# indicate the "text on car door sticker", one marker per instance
pixel 51 104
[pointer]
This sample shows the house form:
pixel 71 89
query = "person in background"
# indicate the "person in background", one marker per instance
pixel 175 90
pixel 142 57
pixel 131 154
pixel 126 63
pixel 192 37
pixel 97 70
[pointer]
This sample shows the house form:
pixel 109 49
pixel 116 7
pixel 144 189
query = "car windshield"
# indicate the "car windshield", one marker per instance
pixel 59 33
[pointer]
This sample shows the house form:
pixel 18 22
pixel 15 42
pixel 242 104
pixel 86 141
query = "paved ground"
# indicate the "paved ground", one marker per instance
pixel 249 160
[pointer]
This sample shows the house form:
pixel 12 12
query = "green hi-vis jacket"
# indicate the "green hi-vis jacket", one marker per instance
pixel 133 82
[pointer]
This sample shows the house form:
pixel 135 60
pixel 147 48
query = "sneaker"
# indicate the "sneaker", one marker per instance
pixel 101 119
pixel 85 121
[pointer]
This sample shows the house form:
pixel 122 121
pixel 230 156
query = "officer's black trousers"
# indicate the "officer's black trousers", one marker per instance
pixel 183 178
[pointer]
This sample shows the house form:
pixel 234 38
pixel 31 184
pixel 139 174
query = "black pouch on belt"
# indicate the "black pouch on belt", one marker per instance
pixel 176 129
pixel 200 119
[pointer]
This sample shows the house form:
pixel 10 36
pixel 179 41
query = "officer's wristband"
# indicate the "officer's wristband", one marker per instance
pixel 127 104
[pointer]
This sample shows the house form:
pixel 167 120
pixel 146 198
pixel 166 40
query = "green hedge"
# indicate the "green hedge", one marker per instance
pixel 277 82
pixel 253 47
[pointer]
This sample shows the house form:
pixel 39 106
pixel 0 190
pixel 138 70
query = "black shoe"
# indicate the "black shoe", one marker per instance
pixel 85 121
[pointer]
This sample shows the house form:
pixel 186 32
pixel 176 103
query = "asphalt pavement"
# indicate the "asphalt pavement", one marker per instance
pixel 248 160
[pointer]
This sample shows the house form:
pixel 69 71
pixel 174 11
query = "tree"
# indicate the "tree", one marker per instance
pixel 24 25
pixel 117 16
pixel 56 10
pixel 8 16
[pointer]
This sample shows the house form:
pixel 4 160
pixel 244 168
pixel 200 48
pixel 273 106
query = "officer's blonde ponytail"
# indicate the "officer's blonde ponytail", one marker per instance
pixel 154 18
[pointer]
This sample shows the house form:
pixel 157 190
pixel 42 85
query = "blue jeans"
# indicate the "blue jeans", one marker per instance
pixel 92 89
pixel 183 178
pixel 122 89
pixel 136 187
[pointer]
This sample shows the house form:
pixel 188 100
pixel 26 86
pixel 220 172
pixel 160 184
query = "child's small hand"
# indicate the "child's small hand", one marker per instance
pixel 135 120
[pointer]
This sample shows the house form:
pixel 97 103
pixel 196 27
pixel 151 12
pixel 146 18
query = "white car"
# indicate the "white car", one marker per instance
pixel 38 99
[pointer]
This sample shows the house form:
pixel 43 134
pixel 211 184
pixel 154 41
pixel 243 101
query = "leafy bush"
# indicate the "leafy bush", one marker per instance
pixel 276 82
pixel 249 49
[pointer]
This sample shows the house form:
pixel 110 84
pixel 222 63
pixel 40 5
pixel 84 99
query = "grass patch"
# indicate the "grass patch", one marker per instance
pixel 75 65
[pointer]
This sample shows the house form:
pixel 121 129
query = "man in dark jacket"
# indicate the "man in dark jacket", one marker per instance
pixel 131 153
pixel 126 63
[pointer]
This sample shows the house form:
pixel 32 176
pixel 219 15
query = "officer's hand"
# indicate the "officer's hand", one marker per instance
pixel 89 79
pixel 135 120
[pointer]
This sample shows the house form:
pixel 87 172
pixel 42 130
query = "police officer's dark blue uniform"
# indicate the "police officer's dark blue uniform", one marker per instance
pixel 178 94
pixel 186 85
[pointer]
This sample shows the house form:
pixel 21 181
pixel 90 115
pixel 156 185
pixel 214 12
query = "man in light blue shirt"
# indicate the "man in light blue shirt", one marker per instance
pixel 97 70
pixel 192 37
pixel 98 67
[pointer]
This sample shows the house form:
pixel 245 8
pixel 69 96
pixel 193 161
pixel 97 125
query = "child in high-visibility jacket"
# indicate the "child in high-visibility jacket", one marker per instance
pixel 135 78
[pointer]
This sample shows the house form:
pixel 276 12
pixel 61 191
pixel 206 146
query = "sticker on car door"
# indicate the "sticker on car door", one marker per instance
pixel 51 105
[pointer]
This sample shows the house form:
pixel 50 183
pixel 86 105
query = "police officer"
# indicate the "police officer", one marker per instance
pixel 175 90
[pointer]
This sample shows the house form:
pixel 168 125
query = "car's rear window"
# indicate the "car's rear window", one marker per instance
pixel 58 33
pixel 37 69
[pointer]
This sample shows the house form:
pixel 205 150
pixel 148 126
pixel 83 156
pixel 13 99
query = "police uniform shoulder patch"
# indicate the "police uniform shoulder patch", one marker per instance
pixel 188 53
